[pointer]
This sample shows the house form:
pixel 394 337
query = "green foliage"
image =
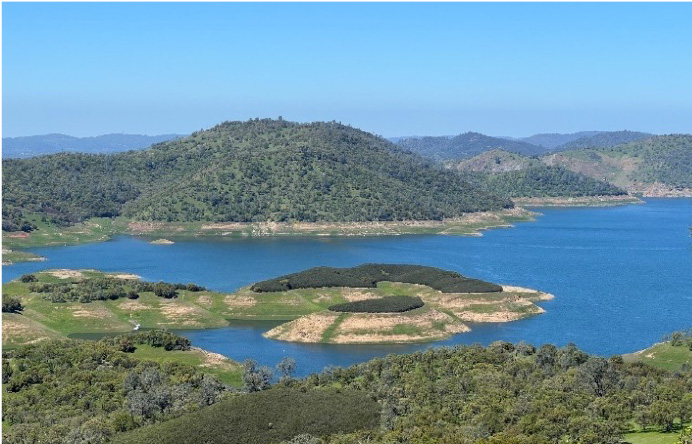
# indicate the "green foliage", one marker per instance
pixel 603 139
pixel 390 304
pixel 155 338
pixel 28 278
pixel 81 391
pixel 368 275
pixel 268 416
pixel 260 170
pixel 11 304
pixel 508 393
pixel 543 181
pixel 465 146
pixel 104 288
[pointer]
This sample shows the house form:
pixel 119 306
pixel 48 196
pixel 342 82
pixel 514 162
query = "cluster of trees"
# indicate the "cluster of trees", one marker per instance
pixel 154 338
pixel 389 304
pixel 13 219
pixel 509 393
pixel 261 170
pixel 603 139
pixel 101 289
pixel 543 181
pixel 368 275
pixel 79 392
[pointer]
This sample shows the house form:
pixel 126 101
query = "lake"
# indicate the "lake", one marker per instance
pixel 621 276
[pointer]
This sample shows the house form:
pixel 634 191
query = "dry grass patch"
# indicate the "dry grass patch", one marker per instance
pixel 308 328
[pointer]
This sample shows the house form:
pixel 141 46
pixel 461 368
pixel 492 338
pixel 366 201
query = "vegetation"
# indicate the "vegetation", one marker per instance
pixel 504 393
pixel 104 288
pixel 368 275
pixel 603 139
pixel 674 352
pixel 267 416
pixel 391 304
pixel 11 305
pixel 543 181
pixel 261 170
pixel 552 140
pixel 67 391
pixel 665 160
pixel 465 146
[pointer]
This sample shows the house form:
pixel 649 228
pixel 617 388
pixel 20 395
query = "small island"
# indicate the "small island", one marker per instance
pixel 371 303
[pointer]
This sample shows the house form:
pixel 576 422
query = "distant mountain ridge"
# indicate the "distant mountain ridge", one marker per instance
pixel 603 139
pixel 29 146
pixel 553 140
pixel 465 146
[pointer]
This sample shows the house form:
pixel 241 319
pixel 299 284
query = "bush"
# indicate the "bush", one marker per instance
pixel 391 304
pixel 11 305
pixel 28 278
pixel 368 275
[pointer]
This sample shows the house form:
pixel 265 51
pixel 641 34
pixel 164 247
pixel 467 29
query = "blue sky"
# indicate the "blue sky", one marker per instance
pixel 390 68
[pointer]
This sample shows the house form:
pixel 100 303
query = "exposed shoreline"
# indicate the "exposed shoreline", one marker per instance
pixel 586 201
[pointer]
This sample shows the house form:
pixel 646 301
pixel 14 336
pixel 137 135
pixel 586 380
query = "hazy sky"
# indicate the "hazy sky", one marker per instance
pixel 393 69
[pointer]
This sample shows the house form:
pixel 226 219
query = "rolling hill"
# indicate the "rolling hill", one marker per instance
pixel 260 170
pixel 603 139
pixel 516 176
pixel 465 146
pixel 22 147
pixel 659 165
pixel 552 140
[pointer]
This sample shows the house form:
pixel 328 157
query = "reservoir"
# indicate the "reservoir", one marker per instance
pixel 621 276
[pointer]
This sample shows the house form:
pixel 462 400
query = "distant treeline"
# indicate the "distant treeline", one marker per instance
pixel 368 275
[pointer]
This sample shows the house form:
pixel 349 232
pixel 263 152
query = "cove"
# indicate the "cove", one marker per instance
pixel 621 276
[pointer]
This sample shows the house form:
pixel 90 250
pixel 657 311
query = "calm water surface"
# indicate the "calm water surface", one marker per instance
pixel 622 277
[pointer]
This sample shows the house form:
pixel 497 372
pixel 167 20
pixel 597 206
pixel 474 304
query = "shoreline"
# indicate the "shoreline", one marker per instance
pixel 585 201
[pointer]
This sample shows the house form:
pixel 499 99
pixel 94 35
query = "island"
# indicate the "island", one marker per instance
pixel 370 303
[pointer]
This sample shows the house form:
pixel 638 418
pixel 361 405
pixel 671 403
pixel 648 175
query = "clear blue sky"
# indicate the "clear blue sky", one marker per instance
pixel 393 69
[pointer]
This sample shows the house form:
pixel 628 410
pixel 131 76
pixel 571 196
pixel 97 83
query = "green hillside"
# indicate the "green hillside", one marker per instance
pixel 465 146
pixel 516 176
pixel 636 166
pixel 260 170
pixel 603 139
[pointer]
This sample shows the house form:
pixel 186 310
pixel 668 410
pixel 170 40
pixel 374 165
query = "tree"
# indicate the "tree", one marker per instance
pixel 663 414
pixel 11 305
pixel 286 367
pixel 256 378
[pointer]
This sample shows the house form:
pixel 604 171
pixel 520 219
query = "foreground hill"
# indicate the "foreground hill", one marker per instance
pixel 659 165
pixel 18 147
pixel 261 170
pixel 603 139
pixel 516 176
pixel 465 146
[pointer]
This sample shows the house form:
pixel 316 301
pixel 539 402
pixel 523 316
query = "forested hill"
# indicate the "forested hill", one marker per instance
pixel 604 139
pixel 465 146
pixel 513 175
pixel 19 147
pixel 260 170
pixel 552 140
pixel 659 161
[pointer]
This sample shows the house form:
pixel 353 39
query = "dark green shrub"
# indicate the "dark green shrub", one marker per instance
pixel 11 305
pixel 28 278
pixel 368 275
pixel 391 304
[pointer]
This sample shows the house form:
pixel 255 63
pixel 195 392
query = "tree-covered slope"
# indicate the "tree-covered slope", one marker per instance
pixel 513 175
pixel 465 146
pixel 666 160
pixel 260 170
pixel 552 140
pixel 604 139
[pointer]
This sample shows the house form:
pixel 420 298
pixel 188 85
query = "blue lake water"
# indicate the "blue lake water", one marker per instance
pixel 622 277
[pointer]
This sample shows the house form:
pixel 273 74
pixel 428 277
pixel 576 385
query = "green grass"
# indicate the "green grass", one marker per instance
pixel 225 370
pixel 12 256
pixel 329 332
pixel 663 356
